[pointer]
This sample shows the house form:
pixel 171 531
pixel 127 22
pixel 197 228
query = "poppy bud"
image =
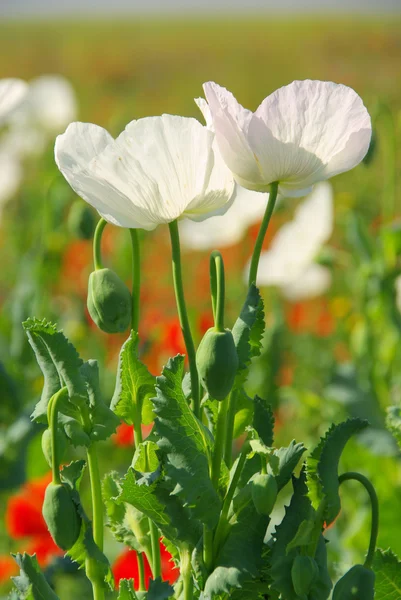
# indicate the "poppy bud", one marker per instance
pixel 357 584
pixel 47 445
pixel 109 301
pixel 81 220
pixel 264 493
pixel 217 362
pixel 304 571
pixel 61 515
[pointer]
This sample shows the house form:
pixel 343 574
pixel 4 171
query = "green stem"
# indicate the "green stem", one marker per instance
pixel 98 590
pixel 208 548
pixel 156 564
pixel 97 241
pixel 253 271
pixel 219 442
pixel 136 278
pixel 183 316
pixel 217 286
pixel 141 571
pixel 218 537
pixel 186 572
pixel 96 493
pixel 228 453
pixel 52 417
pixel 374 528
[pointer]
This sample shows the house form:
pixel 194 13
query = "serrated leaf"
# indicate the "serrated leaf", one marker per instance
pixel 387 569
pixel 103 420
pixel 31 582
pixel 129 525
pixel 263 420
pixel 322 467
pixel 85 546
pixel 126 590
pixel 393 422
pixel 240 557
pixel 155 500
pixel 58 361
pixel 159 590
pixel 303 535
pixel 282 558
pixel 184 442
pixel 244 412
pixel 288 459
pixel 145 457
pixel 248 332
pixel 135 386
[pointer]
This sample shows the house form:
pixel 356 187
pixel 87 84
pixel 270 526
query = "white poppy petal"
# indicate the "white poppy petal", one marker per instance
pixel 231 122
pixel 52 102
pixel 313 282
pixel 205 110
pixel 12 93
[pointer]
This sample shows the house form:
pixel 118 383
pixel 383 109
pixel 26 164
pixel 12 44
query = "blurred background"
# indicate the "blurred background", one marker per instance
pixel 332 349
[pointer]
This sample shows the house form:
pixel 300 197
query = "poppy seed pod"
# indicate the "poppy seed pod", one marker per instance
pixel 357 584
pixel 61 515
pixel 304 571
pixel 217 362
pixel 264 493
pixel 109 301
pixel 47 445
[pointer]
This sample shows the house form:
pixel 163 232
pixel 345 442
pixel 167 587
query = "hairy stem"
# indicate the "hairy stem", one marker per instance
pixel 136 278
pixel 253 271
pixel 52 416
pixel 217 286
pixel 97 242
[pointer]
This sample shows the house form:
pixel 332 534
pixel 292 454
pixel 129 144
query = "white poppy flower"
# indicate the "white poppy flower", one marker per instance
pixel 289 263
pixel 158 170
pixel 10 177
pixel 303 133
pixel 228 229
pixel 12 93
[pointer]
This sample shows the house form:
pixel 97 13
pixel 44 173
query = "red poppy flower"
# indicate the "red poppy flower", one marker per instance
pixel 8 568
pixel 126 567
pixel 24 520
pixel 124 435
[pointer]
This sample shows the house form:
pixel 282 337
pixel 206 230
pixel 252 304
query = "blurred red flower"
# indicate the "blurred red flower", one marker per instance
pixel 8 568
pixel 24 520
pixel 124 435
pixel 126 567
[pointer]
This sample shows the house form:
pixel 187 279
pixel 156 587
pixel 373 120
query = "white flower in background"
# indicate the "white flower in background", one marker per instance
pixel 12 93
pixel 48 107
pixel 289 262
pixel 303 133
pixel 228 229
pixel 159 169
pixel 10 177
pixel 397 284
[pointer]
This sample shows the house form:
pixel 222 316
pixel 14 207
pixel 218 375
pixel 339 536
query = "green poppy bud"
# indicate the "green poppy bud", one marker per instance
pixel 304 572
pixel 61 515
pixel 81 220
pixel 47 445
pixel 357 584
pixel 109 301
pixel 264 493
pixel 217 362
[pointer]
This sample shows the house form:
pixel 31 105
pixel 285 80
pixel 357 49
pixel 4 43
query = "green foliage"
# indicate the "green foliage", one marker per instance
pixel 263 420
pixel 322 467
pixel 284 552
pixel 159 590
pixel 357 584
pixel 394 422
pixel 109 301
pixel 31 583
pixel 387 569
pixel 288 459
pixel 126 590
pixel 217 362
pixel 248 332
pixel 185 445
pixel 135 386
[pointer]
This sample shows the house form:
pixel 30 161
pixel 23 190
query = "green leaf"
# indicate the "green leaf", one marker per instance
pixel 240 557
pixel 31 582
pixel 155 500
pixel 288 459
pixel 387 569
pixel 282 555
pixel 263 420
pixel 303 534
pixel 85 546
pixel 128 525
pixel 243 413
pixel 103 421
pixel 145 457
pixel 322 467
pixel 185 444
pixel 135 386
pixel 393 422
pixel 248 331
pixel 58 361
pixel 126 590
pixel 159 590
